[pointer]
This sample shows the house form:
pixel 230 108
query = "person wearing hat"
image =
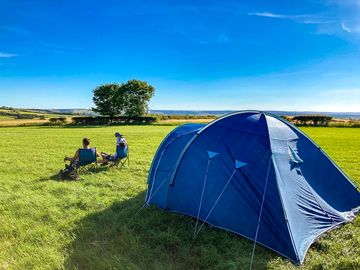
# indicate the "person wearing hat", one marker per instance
pixel 120 139
pixel 121 146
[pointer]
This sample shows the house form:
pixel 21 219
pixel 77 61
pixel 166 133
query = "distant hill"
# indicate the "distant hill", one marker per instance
pixel 68 111
pixel 89 112
pixel 15 116
pixel 343 115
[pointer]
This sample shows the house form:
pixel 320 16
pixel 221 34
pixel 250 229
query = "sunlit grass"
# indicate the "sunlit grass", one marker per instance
pixel 92 223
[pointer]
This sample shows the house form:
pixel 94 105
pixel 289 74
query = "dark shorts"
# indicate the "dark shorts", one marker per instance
pixel 108 157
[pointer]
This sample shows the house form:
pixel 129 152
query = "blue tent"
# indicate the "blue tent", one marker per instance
pixel 256 175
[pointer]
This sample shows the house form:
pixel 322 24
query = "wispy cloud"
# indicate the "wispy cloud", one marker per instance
pixel 266 14
pixel 299 18
pixel 348 22
pixel 351 26
pixel 7 55
pixel 348 13
pixel 345 28
pixel 15 30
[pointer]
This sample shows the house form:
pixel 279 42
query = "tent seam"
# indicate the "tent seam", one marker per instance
pixel 280 194
pixel 172 176
pixel 284 212
pixel 158 151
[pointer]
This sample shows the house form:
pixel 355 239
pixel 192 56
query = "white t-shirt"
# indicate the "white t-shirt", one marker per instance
pixel 119 140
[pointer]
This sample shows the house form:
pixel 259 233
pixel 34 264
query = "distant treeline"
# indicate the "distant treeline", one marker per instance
pixel 104 120
pixel 299 120
pixel 309 120
pixel 321 121
pixel 182 116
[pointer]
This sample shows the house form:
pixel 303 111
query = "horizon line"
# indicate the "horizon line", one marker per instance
pixel 196 110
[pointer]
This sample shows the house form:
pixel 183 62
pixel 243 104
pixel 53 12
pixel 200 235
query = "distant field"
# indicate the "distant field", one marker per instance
pixel 21 117
pixel 29 117
pixel 91 223
pixel 25 112
pixel 181 121
pixel 21 122
pixel 5 117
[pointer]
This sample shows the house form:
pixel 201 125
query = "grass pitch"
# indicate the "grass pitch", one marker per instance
pixel 91 223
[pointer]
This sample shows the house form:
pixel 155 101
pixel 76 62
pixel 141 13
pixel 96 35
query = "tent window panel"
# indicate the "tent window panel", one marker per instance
pixel 294 157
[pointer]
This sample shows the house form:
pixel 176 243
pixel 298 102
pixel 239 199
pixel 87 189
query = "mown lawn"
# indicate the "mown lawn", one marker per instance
pixel 92 223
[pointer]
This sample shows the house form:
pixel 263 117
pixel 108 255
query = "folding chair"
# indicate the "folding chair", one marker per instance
pixel 122 156
pixel 87 159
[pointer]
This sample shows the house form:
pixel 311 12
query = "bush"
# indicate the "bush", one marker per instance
pixel 314 120
pixel 287 118
pixel 104 120
pixel 25 116
pixel 57 120
pixel 183 116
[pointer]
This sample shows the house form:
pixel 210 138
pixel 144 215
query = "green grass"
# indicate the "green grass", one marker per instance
pixel 92 223
pixel 6 117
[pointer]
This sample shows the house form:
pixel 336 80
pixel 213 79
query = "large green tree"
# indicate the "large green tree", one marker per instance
pixel 130 98
pixel 104 100
pixel 136 95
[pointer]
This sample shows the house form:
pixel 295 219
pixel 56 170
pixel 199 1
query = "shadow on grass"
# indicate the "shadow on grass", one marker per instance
pixel 92 170
pixel 118 238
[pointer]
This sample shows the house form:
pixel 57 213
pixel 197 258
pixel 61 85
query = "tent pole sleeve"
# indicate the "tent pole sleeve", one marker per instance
pixel 172 176
pixel 148 194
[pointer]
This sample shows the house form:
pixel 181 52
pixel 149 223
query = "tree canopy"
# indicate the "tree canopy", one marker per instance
pixel 129 99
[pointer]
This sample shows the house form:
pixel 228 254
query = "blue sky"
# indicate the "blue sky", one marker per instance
pixel 268 55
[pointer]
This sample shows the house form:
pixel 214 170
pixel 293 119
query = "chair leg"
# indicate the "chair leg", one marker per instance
pixel 122 163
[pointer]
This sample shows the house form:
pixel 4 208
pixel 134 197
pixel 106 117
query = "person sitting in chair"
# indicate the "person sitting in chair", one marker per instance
pixel 86 145
pixel 121 150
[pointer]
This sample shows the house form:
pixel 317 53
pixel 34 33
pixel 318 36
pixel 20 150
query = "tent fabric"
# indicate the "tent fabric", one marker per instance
pixel 221 174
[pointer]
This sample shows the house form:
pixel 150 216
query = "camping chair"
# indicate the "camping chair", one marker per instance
pixel 87 159
pixel 122 156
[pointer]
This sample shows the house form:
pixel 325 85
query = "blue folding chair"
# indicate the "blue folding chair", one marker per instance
pixel 122 156
pixel 87 158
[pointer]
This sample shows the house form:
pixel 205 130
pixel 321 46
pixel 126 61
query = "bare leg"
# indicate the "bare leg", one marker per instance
pixel 104 158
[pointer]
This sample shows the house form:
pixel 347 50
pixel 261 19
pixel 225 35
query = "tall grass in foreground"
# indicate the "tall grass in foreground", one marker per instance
pixel 91 223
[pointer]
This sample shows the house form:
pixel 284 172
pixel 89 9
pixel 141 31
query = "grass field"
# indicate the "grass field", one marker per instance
pixel 91 223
